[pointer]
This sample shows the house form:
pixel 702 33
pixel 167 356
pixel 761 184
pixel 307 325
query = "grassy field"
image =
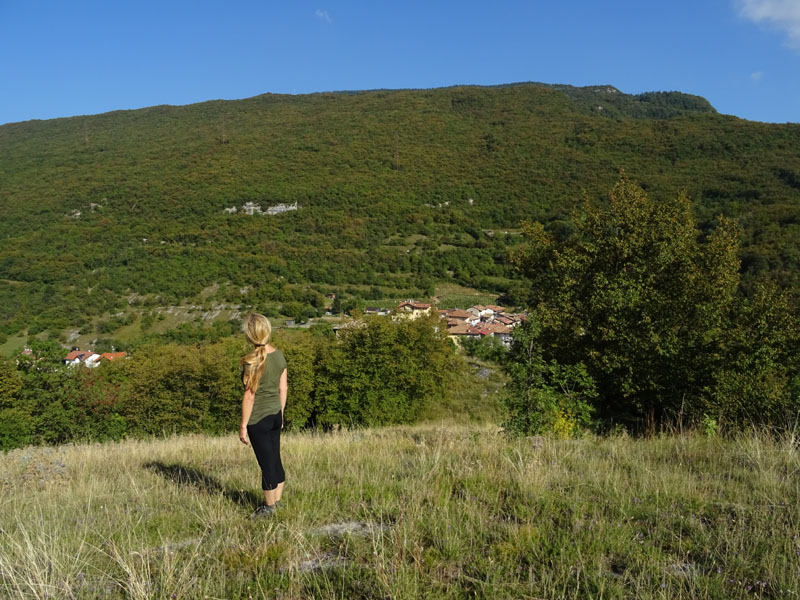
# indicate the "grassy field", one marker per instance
pixel 414 512
pixel 453 295
pixel 13 344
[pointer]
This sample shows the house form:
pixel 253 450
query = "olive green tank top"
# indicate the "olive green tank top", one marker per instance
pixel 267 400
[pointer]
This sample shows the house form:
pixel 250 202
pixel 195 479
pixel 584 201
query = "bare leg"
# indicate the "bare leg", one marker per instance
pixel 273 496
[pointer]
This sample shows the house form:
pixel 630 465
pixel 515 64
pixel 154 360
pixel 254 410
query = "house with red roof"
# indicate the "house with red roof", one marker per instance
pixel 413 310
pixel 500 331
pixel 76 357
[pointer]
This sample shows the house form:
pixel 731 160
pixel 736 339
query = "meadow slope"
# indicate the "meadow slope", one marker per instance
pixel 429 511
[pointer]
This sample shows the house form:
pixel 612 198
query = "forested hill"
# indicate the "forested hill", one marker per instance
pixel 394 189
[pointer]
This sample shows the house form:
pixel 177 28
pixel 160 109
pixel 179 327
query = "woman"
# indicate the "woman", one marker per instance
pixel 265 390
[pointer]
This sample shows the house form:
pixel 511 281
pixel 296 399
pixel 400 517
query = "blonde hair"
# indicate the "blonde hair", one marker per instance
pixel 258 330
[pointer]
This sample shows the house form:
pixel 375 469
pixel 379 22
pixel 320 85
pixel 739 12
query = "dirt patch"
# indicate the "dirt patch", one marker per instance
pixel 361 528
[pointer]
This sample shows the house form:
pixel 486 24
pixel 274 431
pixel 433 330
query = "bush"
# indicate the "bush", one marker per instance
pixel 545 396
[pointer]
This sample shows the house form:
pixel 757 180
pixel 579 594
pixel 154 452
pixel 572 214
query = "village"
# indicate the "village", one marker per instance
pixel 91 359
pixel 475 322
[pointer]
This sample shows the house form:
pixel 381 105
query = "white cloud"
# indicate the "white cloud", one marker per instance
pixel 323 15
pixel 756 76
pixel 783 15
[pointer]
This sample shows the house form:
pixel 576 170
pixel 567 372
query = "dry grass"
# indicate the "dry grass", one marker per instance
pixel 411 512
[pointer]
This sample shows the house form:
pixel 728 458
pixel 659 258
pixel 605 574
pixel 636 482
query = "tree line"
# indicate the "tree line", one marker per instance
pixel 637 318
pixel 376 371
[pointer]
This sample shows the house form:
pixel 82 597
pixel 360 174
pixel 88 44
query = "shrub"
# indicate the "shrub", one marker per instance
pixel 545 396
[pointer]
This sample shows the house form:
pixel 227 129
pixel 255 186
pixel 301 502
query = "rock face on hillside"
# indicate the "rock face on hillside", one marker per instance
pixel 252 208
pixel 609 101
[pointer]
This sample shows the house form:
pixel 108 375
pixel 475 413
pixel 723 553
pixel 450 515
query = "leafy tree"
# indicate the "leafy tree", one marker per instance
pixel 10 382
pixel 486 347
pixel 298 311
pixel 758 382
pixel 637 296
pixel 381 371
pixel 15 428
pixel 15 422
pixel 174 388
pixel 301 352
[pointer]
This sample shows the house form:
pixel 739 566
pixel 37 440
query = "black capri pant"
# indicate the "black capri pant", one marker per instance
pixel 265 437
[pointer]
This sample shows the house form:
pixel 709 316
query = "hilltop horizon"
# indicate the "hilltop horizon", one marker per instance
pixel 564 87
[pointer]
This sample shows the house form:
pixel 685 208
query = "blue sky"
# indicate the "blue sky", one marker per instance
pixel 60 58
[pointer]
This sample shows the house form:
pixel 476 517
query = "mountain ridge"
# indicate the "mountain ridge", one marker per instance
pixel 574 92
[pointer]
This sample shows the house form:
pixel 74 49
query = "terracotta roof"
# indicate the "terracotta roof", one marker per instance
pixel 496 308
pixel 462 329
pixel 113 355
pixel 414 305
pixel 497 328
pixel 79 355
pixel 460 314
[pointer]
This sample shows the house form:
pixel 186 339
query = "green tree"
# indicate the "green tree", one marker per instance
pixel 15 421
pixel 486 348
pixel 174 388
pixel 10 382
pixel 301 351
pixel 381 371
pixel 758 383
pixel 637 296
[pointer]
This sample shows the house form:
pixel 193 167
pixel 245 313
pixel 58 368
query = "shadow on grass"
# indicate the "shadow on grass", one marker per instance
pixel 205 483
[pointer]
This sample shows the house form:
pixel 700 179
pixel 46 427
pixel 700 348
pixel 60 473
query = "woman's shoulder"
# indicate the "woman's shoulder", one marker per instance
pixel 278 353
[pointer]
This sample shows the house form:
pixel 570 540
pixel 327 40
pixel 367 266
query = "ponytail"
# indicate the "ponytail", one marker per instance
pixel 257 329
pixel 254 364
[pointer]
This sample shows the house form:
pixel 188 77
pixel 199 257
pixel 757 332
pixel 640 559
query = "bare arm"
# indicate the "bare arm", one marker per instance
pixel 247 409
pixel 283 392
